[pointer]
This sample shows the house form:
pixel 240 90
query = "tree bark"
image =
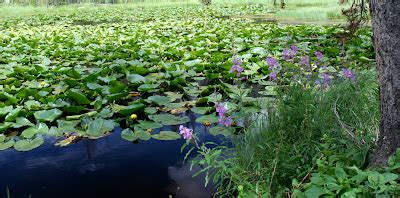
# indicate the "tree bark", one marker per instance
pixel 386 26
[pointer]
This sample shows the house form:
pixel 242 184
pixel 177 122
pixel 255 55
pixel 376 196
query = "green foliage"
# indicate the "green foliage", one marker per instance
pixel 303 128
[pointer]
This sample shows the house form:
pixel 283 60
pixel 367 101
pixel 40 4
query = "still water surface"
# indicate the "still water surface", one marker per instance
pixel 109 167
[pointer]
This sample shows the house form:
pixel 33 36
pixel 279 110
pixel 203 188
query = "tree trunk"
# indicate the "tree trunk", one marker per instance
pixel 386 26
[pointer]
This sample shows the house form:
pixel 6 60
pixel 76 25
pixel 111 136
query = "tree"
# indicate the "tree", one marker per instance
pixel 386 28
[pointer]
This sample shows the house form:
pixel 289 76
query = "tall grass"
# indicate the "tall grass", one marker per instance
pixel 304 125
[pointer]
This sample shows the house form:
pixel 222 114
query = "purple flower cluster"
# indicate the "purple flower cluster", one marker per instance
pixel 319 55
pixel 223 119
pixel 289 54
pixel 186 133
pixel 237 66
pixel 273 66
pixel 348 74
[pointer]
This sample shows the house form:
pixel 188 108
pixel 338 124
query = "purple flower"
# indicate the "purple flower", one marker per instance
pixel 286 55
pixel 272 63
pixel 319 55
pixel 237 66
pixel 294 49
pixel 186 133
pixel 348 74
pixel 272 76
pixel 318 84
pixel 326 78
pixel 226 121
pixel 305 60
pixel 221 110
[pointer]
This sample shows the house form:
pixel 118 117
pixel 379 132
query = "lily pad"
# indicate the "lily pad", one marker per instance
pixel 166 135
pixel 98 127
pixel 47 115
pixel 21 122
pixel 159 100
pixel 201 110
pixel 127 110
pixel 13 114
pixel 78 97
pixel 221 130
pixel 129 135
pixel 212 118
pixel 27 145
pixel 135 78
pixel 168 119
pixel 5 110
pixel 148 125
pixel 150 110
pixel 6 145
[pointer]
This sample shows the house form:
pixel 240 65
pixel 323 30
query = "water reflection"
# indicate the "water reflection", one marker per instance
pixel 107 167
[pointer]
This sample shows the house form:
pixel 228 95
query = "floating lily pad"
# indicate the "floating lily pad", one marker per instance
pixel 168 119
pixel 150 110
pixel 221 130
pixel 148 125
pixel 127 110
pixel 78 97
pixel 201 110
pixel 21 122
pixel 212 118
pixel 7 144
pixel 148 87
pixel 129 135
pixel 5 110
pixel 159 100
pixel 98 127
pixel 13 114
pixel 30 132
pixel 166 135
pixel 135 78
pixel 27 145
pixel 47 115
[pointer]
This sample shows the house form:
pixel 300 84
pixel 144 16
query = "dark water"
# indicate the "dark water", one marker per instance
pixel 109 167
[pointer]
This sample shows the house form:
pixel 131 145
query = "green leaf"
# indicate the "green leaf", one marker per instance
pixel 21 122
pixel 30 132
pixel 221 130
pixel 389 177
pixel 148 87
pixel 150 110
pixel 201 110
pixel 148 125
pixel 5 110
pixel 47 115
pixel 98 127
pixel 168 119
pixel 13 114
pixel 212 118
pixel 6 145
pixel 376 179
pixel 167 135
pixel 315 192
pixel 27 145
pixel 159 100
pixel 193 62
pixel 127 110
pixel 129 135
pixel 5 125
pixel 78 97
pixel 135 78
pixel 32 105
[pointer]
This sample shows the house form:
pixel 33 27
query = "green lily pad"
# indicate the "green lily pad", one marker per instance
pixel 13 114
pixel 150 110
pixel 159 100
pixel 135 78
pixel 212 118
pixel 221 130
pixel 128 134
pixel 47 115
pixel 168 119
pixel 148 125
pixel 27 145
pixel 21 122
pixel 6 145
pixel 166 135
pixel 5 110
pixel 4 126
pixel 127 110
pixel 32 105
pixel 148 87
pixel 30 132
pixel 98 127
pixel 78 97
pixel 201 110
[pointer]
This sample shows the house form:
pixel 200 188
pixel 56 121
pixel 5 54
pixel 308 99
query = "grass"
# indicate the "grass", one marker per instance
pixel 296 11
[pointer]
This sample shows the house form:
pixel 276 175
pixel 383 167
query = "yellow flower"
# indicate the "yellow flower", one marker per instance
pixel 149 130
pixel 206 123
pixel 133 116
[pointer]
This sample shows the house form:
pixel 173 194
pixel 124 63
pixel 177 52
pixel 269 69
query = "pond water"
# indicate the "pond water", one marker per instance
pixel 107 167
